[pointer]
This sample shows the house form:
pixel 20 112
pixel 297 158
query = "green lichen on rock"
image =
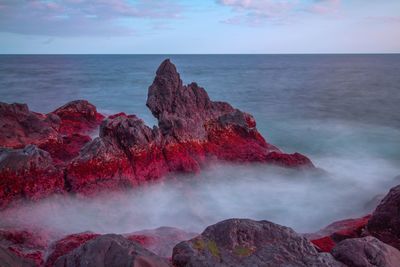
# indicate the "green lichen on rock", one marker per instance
pixel 242 251
pixel 213 248
pixel 199 244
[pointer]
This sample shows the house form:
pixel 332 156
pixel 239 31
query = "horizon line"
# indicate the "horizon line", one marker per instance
pixel 194 54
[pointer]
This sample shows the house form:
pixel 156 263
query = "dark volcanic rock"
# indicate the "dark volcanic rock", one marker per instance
pixel 10 259
pixel 181 110
pixel 19 126
pixel 27 173
pixel 78 116
pixel 186 115
pixel 385 221
pixel 366 252
pixel 110 250
pixel 328 237
pixel 243 242
pixel 160 241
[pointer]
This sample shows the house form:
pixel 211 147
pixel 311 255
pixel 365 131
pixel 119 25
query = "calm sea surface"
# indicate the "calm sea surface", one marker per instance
pixel 343 111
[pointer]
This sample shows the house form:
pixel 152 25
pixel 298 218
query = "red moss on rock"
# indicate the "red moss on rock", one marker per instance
pixel 28 174
pixel 66 245
pixel 329 236
pixel 66 148
pixel 78 116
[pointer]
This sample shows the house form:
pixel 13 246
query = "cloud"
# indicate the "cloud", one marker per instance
pixel 258 12
pixel 81 17
pixel 384 19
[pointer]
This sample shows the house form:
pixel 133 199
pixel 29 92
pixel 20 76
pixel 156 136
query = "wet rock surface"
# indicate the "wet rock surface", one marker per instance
pixel 244 242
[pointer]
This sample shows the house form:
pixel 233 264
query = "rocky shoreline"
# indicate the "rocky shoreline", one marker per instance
pixel 43 155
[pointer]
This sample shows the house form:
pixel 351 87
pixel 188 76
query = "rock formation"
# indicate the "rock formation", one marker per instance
pixel 244 242
pixel 192 131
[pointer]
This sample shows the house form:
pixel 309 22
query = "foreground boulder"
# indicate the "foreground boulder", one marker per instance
pixel 366 252
pixel 110 250
pixel 244 242
pixel 385 221
pixel 27 174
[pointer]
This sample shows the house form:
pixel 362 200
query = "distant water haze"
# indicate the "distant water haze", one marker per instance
pixel 340 110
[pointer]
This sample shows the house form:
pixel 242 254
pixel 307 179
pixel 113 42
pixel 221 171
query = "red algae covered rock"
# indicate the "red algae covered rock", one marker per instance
pixel 101 165
pixel 19 126
pixel 244 242
pixel 66 245
pixel 66 148
pixel 328 237
pixel 385 220
pixel 160 241
pixel 78 116
pixel 29 174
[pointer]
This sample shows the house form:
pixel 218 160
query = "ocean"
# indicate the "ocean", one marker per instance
pixel 342 111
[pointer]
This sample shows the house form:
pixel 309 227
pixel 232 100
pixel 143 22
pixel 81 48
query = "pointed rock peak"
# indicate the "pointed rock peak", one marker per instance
pixel 167 68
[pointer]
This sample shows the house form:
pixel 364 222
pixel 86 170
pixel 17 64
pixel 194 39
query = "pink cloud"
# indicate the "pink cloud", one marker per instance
pixel 257 12
pixel 81 17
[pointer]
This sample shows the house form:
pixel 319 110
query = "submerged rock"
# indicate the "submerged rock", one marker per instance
pixel 244 242
pixel 385 221
pixel 110 250
pixel 366 252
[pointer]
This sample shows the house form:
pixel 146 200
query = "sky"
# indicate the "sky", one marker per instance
pixel 199 26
